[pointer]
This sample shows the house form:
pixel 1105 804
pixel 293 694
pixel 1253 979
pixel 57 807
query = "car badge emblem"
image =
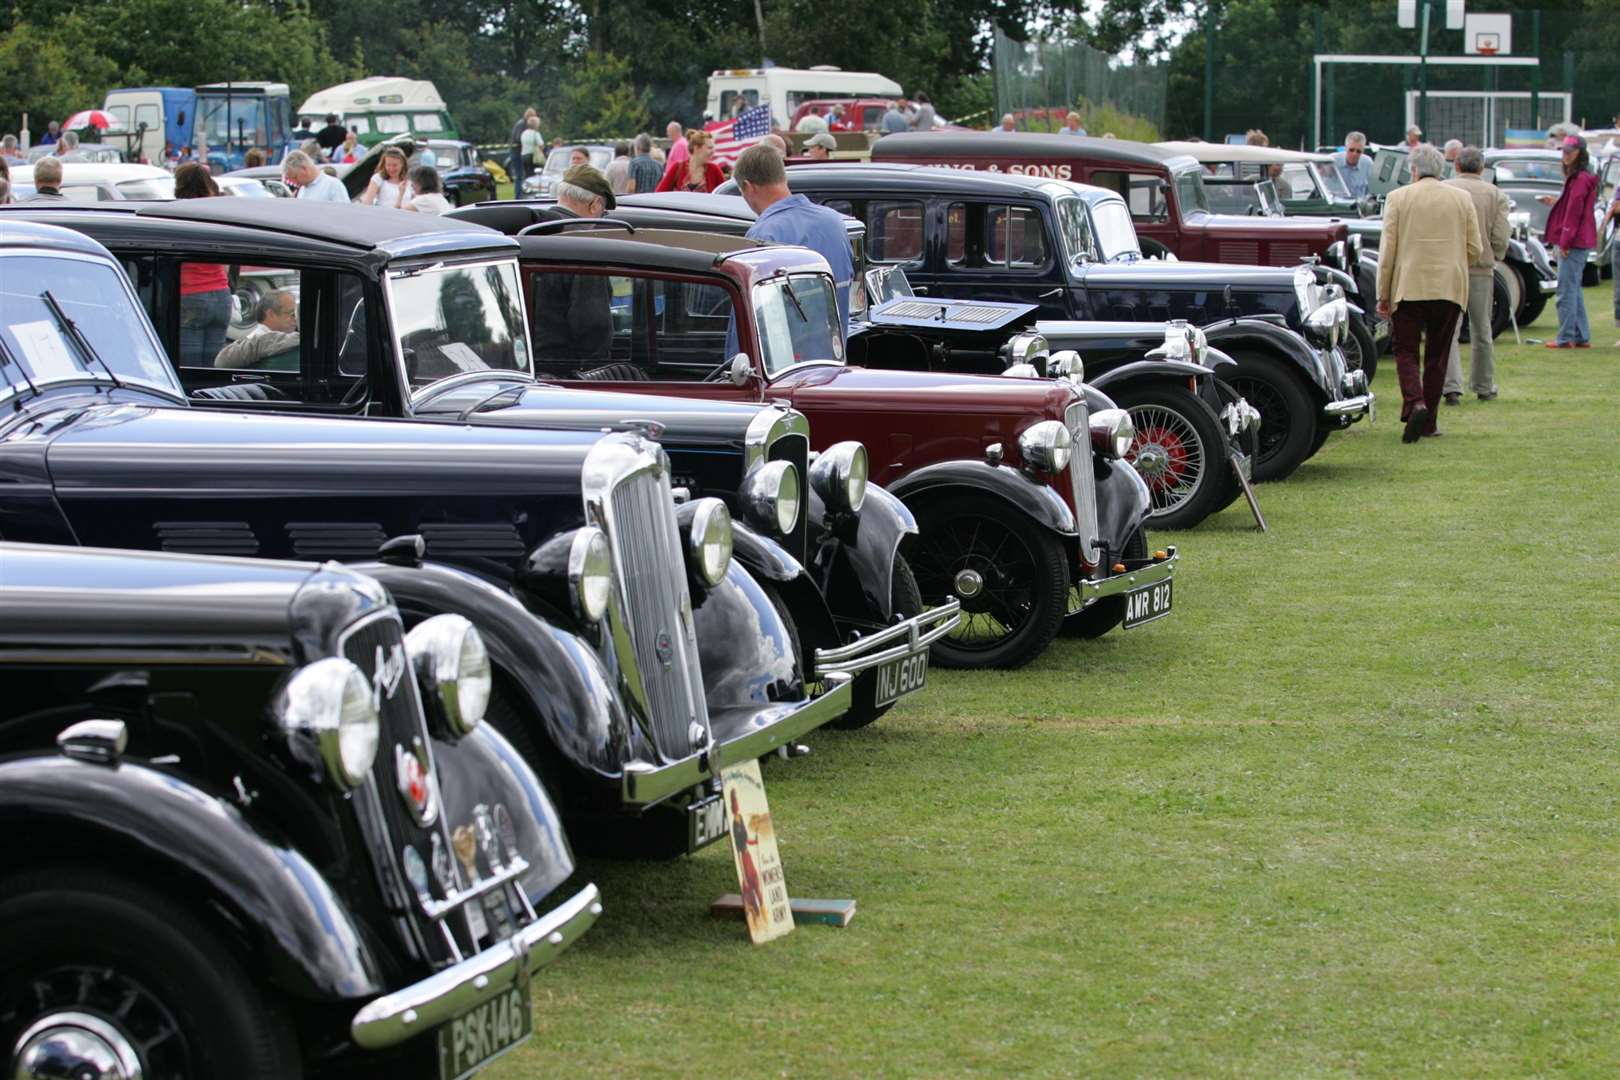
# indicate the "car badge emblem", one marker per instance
pixel 386 672
pixel 443 869
pixel 664 646
pixel 465 840
pixel 506 830
pixel 415 786
pixel 487 841
pixel 415 870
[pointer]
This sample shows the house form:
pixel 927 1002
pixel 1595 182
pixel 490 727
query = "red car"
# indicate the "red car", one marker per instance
pixel 1000 473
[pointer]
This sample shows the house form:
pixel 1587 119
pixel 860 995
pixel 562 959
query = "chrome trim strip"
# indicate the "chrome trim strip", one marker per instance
pixel 510 872
pixel 1093 590
pixel 1352 406
pixel 769 424
pixel 1082 480
pixel 645 785
pixel 858 656
pixel 441 997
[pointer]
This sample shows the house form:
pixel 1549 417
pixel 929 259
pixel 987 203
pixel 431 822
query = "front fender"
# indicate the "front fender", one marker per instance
pixel 302 933
pixel 799 590
pixel 853 555
pixel 560 674
pixel 745 647
pixel 1034 500
pixel 1144 371
pixel 1123 504
pixel 1278 341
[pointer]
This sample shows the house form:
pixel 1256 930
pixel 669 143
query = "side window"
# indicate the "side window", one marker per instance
pixel 121 114
pixel 360 125
pixel 618 328
pixel 1015 237
pixel 729 101
pixel 956 234
pixel 894 231
pixel 148 115
pixel 843 206
pixel 1142 192
pixel 392 123
pixel 426 122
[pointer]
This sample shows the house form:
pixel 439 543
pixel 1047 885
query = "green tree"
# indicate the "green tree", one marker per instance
pixel 45 77
pixel 599 101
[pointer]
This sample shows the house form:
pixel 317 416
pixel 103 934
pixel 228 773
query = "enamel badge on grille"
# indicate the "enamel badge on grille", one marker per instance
pixel 414 785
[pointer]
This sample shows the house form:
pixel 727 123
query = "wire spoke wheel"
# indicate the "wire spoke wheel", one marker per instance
pixel 1288 410
pixel 1168 454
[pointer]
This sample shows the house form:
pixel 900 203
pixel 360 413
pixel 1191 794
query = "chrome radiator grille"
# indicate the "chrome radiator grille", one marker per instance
pixel 657 608
pixel 1082 478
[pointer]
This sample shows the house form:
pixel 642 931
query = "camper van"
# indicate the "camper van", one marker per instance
pixel 381 107
pixel 735 89
pixel 229 118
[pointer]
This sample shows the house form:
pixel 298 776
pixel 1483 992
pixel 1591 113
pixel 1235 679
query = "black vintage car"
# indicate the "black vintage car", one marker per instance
pixel 1194 445
pixel 250 827
pixel 1071 250
pixel 632 656
pixel 826 543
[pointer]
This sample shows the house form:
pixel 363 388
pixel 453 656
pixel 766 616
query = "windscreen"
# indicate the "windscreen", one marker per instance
pixel 1116 236
pixel 1076 229
pixel 40 345
pixel 233 121
pixel 798 321
pixel 458 319
pixel 148 187
pixel 1190 190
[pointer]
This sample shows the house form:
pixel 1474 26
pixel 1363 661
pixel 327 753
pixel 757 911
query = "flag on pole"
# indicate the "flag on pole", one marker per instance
pixel 732 137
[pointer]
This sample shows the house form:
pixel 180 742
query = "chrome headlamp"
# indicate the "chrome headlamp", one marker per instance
pixel 771 496
pixel 1046 446
pixel 708 540
pixel 452 667
pixel 1335 254
pixel 1357 242
pixel 1112 432
pixel 328 716
pixel 839 475
pixel 590 573
pixel 1305 289
pixel 1025 347
pixel 1066 364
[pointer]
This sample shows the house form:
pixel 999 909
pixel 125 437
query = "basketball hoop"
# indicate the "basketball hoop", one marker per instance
pixel 1487 50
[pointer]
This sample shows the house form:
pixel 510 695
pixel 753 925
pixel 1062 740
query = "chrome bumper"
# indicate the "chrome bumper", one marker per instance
pixel 1092 590
pixel 1547 285
pixel 776 725
pixel 441 997
pixel 1350 407
pixel 914 636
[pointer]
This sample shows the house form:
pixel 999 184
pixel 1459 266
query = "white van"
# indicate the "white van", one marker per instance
pixel 381 107
pixel 788 88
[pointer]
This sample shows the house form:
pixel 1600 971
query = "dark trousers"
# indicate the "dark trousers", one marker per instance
pixel 1435 321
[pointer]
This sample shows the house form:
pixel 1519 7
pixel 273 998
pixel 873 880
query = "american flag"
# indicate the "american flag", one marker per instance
pixel 732 137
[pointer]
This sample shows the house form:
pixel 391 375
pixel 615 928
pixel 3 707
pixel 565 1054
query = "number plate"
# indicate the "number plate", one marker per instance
pixel 479 1036
pixel 1147 603
pixel 900 677
pixel 706 822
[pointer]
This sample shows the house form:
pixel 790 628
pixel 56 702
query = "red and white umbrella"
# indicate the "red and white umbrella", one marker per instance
pixel 95 118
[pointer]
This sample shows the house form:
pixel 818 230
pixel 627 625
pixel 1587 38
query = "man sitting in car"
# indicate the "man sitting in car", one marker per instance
pixel 272 344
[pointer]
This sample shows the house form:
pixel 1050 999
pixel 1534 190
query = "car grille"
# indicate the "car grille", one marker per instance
pixel 653 597
pixel 1083 478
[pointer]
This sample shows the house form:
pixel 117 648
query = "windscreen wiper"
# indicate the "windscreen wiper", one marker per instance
pixel 76 336
pixel 803 314
pixel 7 360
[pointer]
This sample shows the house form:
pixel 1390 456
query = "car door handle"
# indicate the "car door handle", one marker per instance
pixel 919 290
pixel 1049 293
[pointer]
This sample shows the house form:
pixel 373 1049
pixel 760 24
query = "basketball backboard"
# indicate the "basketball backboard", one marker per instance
pixel 1488 35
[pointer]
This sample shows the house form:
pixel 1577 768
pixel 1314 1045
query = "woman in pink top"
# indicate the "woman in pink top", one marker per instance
pixel 1572 234
pixel 205 288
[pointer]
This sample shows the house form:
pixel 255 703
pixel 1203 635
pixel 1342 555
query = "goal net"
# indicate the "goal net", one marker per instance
pixel 1483 117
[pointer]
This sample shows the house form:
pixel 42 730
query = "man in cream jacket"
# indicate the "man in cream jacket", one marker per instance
pixel 1431 237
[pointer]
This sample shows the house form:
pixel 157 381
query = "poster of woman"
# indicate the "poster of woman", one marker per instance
pixel 753 848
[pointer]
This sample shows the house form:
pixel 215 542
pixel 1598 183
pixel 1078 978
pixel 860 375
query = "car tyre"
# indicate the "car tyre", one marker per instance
pixel 1180 450
pixel 83 940
pixel 1501 308
pixel 905 600
pixel 1360 348
pixel 1109 612
pixel 1288 420
pixel 1026 580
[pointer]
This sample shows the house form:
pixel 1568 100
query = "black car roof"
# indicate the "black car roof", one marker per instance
pixel 970 143
pixel 934 179
pixel 656 249
pixel 396 233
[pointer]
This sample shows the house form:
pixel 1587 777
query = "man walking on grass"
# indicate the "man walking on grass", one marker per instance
pixel 1491 207
pixel 1431 237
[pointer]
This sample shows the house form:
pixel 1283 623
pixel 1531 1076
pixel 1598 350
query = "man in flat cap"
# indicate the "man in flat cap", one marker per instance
pixel 573 313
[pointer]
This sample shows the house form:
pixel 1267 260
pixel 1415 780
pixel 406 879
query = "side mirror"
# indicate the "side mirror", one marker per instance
pixel 742 369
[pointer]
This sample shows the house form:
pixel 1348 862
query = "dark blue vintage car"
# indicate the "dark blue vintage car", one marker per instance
pixel 421 300
pixel 632 656
pixel 249 826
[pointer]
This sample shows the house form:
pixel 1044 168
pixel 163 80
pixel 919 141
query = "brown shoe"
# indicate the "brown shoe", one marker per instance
pixel 1416 421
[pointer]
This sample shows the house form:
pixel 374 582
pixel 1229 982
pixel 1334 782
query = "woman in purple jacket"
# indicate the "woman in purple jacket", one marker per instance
pixel 1572 234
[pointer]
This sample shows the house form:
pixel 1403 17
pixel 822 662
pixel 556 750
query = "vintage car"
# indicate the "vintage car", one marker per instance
pixel 1194 445
pixel 268 175
pixel 545 181
pixel 86 182
pixel 464 177
pixel 253 828
pixel 632 656
pixel 1008 515
pixel 1309 184
pixel 1070 250
pixel 1527 176
pixel 834 563
pixel 99 153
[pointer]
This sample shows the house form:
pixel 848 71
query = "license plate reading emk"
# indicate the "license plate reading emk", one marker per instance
pixel 1147 603
pixel 707 822
pixel 902 676
pixel 480 1035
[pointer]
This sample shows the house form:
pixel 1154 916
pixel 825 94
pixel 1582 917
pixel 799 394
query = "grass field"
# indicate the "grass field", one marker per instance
pixel 1353 810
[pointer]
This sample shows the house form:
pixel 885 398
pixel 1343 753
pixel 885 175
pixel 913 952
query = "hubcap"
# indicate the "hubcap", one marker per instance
pixel 1168 454
pixel 75 1046
pixel 969 583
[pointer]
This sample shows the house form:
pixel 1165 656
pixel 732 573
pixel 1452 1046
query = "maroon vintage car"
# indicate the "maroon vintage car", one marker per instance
pixel 1000 473
pixel 1163 190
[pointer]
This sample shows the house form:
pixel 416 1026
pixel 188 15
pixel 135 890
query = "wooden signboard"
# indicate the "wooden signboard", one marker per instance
pixel 753 848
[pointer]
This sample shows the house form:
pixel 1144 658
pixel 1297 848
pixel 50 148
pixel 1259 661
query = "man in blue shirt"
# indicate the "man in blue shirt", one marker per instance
pixel 786 218
pixel 1357 164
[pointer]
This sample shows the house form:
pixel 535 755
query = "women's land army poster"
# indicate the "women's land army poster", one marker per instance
pixel 753 847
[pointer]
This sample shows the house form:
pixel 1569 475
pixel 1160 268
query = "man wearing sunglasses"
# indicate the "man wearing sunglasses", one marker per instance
pixel 1357 163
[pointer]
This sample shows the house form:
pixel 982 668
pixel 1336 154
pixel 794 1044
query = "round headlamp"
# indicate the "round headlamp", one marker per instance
pixel 839 476
pixel 1066 364
pixel 770 494
pixel 1112 432
pixel 329 718
pixel 1305 289
pixel 1046 446
pixel 1335 254
pixel 709 540
pixel 590 574
pixel 452 666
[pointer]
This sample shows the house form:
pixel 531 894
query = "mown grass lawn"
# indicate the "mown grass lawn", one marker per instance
pixel 1353 810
